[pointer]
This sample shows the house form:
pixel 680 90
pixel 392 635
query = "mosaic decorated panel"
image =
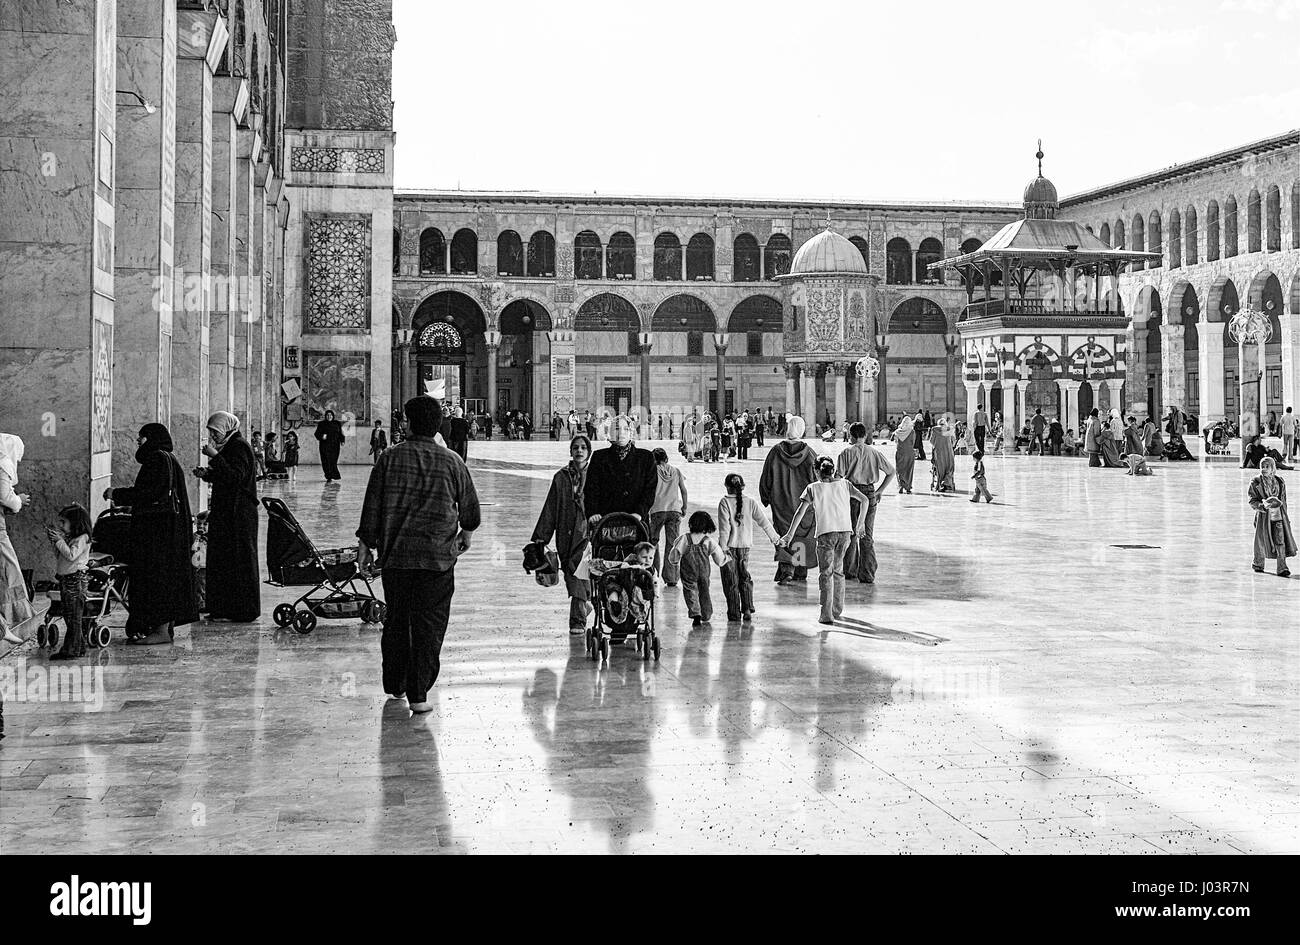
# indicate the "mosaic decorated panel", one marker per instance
pixel 338 273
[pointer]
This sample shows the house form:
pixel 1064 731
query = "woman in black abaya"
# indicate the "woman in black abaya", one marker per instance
pixel 158 556
pixel 233 588
pixel 329 433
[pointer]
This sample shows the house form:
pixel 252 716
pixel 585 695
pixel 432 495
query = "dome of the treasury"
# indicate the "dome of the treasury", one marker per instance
pixel 828 252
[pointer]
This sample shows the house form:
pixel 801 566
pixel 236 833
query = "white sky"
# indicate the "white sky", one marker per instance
pixel 892 101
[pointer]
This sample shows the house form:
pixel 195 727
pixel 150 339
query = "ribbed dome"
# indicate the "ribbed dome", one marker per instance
pixel 1040 190
pixel 828 252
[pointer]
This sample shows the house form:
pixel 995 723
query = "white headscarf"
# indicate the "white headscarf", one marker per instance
pixel 904 430
pixel 11 454
pixel 224 424
pixel 794 427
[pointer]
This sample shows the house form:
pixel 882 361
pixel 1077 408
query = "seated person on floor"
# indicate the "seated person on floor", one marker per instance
pixel 1176 448
pixel 1253 450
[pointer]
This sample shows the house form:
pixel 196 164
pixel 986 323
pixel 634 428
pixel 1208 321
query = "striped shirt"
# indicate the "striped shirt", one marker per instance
pixel 420 494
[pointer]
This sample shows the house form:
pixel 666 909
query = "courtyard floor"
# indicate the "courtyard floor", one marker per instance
pixel 1087 666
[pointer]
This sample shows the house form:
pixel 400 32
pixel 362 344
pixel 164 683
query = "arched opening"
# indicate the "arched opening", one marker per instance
pixel 1221 305
pixel 1253 242
pixel 510 254
pixel 586 255
pixel 1212 231
pixel 863 249
pixel 969 246
pixel 1273 218
pixel 918 361
pixel 1266 296
pixel 1149 318
pixel 1187 312
pixel 607 327
pixel 668 258
pixel 397 252
pixel 1230 227
pixel 1155 238
pixel 1104 236
pixel 449 353
pixel 930 251
pixel 1043 391
pixel 433 252
pixel 699 258
pixel 1137 236
pixel 464 253
pixel 1119 235
pixel 1175 239
pixel 541 255
pixel 898 262
pixel 521 383
pixel 746 259
pixel 1190 236
pixel 777 255
pixel 758 320
pixel 620 257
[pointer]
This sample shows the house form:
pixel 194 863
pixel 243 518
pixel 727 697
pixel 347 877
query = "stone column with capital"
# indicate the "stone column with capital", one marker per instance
pixel 808 396
pixel 792 389
pixel 951 353
pixel 1210 373
pixel 144 208
pixel 229 99
pixel 493 341
pixel 720 341
pixel 248 146
pixel 1173 370
pixel 1010 399
pixel 1115 385
pixel 1070 405
pixel 882 384
pixel 973 394
pixel 1290 323
pixel 645 341
pixel 840 371
pixel 1022 404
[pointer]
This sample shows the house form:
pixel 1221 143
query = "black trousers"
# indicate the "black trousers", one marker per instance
pixel 329 460
pixel 419 603
pixel 979 437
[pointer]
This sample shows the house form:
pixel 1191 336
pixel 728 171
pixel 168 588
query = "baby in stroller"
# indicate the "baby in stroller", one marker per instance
pixel 623 579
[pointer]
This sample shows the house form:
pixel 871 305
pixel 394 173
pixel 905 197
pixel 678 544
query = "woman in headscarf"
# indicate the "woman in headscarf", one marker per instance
pixel 788 469
pixel 564 517
pixel 1273 537
pixel 1177 448
pixel 1108 446
pixel 904 454
pixel 233 590
pixel 942 456
pixel 15 608
pixel 918 434
pixel 329 433
pixel 1152 442
pixel 159 541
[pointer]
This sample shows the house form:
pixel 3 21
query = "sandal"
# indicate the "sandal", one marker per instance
pixel 1257 568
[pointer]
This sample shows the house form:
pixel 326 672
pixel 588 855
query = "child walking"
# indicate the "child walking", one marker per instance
pixel 737 514
pixel 691 555
pixel 981 481
pixel 291 455
pixel 71 544
pixel 830 500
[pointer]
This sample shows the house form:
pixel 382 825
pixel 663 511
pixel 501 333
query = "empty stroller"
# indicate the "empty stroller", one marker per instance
pixel 622 593
pixel 107 583
pixel 331 573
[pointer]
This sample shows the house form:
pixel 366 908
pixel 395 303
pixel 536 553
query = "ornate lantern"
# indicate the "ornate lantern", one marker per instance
pixel 1250 327
pixel 867 368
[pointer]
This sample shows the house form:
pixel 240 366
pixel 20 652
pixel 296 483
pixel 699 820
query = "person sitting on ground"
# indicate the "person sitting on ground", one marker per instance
pixel 1069 445
pixel 1176 448
pixel 1253 450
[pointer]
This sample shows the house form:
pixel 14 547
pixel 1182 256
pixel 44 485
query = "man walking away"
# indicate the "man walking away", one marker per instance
pixel 1288 434
pixel 981 426
pixel 862 464
pixel 419 514
pixel 458 441
pixel 1039 427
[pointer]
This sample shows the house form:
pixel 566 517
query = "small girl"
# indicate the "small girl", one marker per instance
pixel 274 467
pixel 291 455
pixel 981 481
pixel 691 554
pixel 737 514
pixel 71 544
pixel 259 453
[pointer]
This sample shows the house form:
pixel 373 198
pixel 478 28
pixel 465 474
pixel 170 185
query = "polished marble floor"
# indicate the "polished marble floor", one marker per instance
pixel 1089 665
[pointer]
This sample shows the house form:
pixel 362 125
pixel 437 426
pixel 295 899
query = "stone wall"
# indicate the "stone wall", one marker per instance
pixel 340 64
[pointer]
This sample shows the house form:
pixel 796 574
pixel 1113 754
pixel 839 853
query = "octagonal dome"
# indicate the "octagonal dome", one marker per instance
pixel 828 252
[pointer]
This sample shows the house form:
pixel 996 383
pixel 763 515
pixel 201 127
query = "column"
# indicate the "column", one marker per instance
pixel 1010 398
pixel 493 341
pixel 1022 407
pixel 1173 373
pixel 683 260
pixel 1210 371
pixel 791 389
pixel 1250 361
pixel 259 327
pixel 446 256
pixel 1070 404
pixel 973 394
pixel 882 384
pixel 645 342
pixel 56 269
pixel 247 149
pixel 720 341
pixel 198 49
pixel 840 371
pixel 867 411
pixel 951 350
pixel 144 205
pixel 563 358
pixel 1116 387
pixel 1290 322
pixel 808 396
pixel 229 99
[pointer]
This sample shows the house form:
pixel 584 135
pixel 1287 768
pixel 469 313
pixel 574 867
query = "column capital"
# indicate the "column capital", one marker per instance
pixel 646 340
pixel 1022 384
pixel 792 372
pixel 721 340
pixel 493 338
pixel 971 385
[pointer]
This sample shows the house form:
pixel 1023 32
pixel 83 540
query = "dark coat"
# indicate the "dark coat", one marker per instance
pixel 329 433
pixel 1265 546
pixel 565 519
pixel 159 542
pixel 626 485
pixel 787 471
pixel 233 582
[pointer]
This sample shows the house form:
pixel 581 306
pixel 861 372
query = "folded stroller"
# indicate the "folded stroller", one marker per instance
pixel 622 593
pixel 338 588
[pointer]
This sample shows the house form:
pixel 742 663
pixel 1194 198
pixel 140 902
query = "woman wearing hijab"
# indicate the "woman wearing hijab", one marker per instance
pixel 918 434
pixel 329 433
pixel 1152 442
pixel 904 454
pixel 14 605
pixel 942 456
pixel 1273 537
pixel 789 468
pixel 1108 446
pixel 564 517
pixel 159 541
pixel 233 575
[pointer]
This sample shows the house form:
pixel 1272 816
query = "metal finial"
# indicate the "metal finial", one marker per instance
pixel 828 218
pixel 1039 155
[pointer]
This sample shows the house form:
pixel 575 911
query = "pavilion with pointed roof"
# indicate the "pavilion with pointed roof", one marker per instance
pixel 1047 330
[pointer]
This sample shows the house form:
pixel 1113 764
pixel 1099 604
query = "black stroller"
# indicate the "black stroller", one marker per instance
pixel 107 583
pixel 339 589
pixel 622 593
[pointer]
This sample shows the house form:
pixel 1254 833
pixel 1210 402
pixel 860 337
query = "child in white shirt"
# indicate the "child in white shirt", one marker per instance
pixel 737 514
pixel 829 498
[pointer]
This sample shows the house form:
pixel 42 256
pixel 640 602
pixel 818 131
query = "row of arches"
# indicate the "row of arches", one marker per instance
pixel 1263 229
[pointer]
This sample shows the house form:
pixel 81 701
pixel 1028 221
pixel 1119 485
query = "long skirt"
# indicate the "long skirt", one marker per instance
pixel 329 460
pixel 904 461
pixel 14 605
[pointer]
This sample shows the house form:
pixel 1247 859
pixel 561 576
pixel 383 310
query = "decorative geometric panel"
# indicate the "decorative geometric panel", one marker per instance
pixel 338 273
pixel 825 327
pixel 440 335
pixel 101 434
pixel 339 160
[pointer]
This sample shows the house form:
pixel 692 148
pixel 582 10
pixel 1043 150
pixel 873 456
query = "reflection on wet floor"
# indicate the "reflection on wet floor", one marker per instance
pixel 1025 678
